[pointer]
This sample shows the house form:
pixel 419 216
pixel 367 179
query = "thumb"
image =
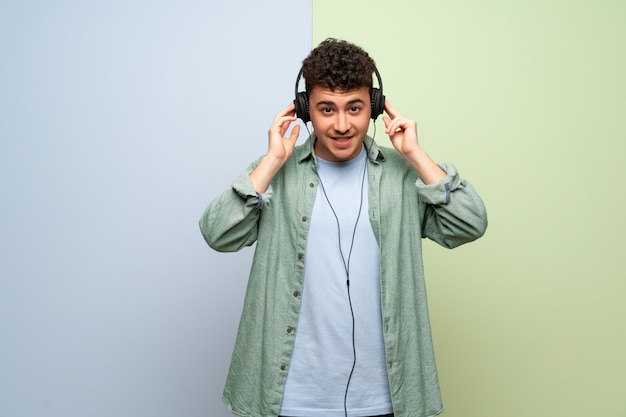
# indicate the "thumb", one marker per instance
pixel 295 132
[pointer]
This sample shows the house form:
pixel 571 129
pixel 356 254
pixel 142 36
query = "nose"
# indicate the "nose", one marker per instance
pixel 342 122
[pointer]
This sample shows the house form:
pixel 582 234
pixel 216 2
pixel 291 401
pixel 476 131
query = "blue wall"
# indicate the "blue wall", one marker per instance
pixel 119 122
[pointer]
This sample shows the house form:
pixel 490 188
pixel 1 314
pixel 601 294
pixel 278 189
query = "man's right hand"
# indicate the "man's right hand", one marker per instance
pixel 280 148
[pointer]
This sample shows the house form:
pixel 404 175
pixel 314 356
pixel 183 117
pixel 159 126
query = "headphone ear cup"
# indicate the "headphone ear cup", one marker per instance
pixel 378 102
pixel 302 107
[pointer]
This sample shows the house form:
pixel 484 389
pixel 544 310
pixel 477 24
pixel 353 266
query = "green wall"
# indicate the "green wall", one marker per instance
pixel 528 99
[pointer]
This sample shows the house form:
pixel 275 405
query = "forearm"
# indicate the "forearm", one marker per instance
pixel 427 169
pixel 262 175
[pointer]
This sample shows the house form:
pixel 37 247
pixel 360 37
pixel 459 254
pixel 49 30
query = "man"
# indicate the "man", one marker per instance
pixel 335 320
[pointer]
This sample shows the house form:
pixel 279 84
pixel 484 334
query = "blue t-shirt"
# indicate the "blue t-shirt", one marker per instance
pixel 324 352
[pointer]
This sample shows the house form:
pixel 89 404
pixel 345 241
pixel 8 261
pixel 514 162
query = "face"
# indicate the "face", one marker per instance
pixel 340 120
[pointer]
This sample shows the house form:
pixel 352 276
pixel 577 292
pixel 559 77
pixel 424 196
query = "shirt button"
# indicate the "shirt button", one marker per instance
pixel 289 329
pixel 283 367
pixel 303 219
pixel 311 185
pixel 296 293
pixel 299 256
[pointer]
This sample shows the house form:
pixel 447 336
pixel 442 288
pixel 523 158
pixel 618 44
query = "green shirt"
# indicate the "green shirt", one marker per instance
pixel 402 210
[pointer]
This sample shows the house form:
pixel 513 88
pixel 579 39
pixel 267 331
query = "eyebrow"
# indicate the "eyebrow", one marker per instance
pixel 332 103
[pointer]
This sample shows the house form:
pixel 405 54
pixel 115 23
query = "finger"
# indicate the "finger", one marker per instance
pixel 395 126
pixel 295 132
pixel 402 122
pixel 290 110
pixel 280 125
pixel 284 123
pixel 390 110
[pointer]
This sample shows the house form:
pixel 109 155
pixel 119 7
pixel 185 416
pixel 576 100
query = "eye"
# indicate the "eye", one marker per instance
pixel 327 110
pixel 355 109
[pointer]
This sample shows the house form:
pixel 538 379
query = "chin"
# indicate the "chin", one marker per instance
pixel 346 154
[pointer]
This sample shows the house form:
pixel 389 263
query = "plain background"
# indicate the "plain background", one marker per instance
pixel 119 122
pixel 528 100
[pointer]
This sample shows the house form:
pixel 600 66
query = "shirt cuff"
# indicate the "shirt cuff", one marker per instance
pixel 440 193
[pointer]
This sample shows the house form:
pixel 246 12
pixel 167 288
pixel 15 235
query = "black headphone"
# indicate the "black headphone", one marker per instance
pixel 302 100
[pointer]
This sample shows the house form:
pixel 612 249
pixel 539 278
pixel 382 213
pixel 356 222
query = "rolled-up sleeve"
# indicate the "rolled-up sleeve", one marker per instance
pixel 230 222
pixel 455 214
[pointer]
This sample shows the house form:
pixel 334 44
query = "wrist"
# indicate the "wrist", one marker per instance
pixel 272 162
pixel 262 175
pixel 427 169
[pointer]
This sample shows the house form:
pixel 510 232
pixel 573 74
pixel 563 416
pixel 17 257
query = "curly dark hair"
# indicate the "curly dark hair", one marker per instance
pixel 338 65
